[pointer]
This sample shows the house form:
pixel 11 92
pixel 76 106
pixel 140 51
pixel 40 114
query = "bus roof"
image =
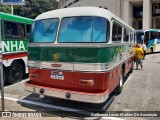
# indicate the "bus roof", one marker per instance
pixel 16 18
pixel 139 31
pixel 153 30
pixel 80 11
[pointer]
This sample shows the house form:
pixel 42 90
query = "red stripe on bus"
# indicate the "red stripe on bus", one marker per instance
pixel 14 55
pixel 102 81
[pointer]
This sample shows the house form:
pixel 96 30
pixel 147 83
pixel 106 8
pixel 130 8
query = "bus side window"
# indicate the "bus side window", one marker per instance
pixel 18 31
pixel 135 38
pixel 131 36
pixel 126 35
pixel 7 30
pixel 119 33
pixel 132 41
pixel 116 32
pixel 13 30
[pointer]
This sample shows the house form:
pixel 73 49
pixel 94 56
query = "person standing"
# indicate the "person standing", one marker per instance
pixel 139 56
pixel 144 50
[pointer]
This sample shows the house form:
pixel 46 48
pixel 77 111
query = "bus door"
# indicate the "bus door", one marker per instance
pixel 157 42
pixel 149 41
pixel 147 38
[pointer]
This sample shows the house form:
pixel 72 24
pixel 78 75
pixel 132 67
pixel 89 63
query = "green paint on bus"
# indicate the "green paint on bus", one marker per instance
pixel 66 54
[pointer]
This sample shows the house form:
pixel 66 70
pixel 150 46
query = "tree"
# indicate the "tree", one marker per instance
pixel 5 8
pixel 35 7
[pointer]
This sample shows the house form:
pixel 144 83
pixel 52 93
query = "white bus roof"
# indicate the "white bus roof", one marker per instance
pixel 139 30
pixel 80 11
pixel 153 30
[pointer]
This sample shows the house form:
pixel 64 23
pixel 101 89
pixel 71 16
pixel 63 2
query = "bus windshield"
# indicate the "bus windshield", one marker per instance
pixel 44 30
pixel 151 35
pixel 83 29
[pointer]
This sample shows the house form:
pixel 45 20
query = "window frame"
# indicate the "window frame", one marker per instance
pixel 127 31
pixel 124 28
pixel 17 23
pixel 57 32
pixel 118 25
pixel 107 30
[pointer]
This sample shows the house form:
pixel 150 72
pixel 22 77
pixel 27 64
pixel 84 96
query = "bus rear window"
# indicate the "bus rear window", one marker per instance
pixel 83 29
pixel 44 30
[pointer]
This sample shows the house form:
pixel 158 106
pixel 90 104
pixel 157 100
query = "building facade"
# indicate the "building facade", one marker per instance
pixel 140 14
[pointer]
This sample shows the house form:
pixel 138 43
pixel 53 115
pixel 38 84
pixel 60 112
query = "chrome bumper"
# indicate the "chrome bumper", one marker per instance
pixel 74 95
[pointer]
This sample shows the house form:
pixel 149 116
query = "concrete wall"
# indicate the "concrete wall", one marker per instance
pixel 147 14
pixel 112 5
pixel 121 8
pixel 128 12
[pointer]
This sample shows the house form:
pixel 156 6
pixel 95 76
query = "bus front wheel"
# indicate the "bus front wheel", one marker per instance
pixel 14 72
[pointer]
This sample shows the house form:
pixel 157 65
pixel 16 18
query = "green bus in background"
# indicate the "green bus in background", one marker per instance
pixel 14 32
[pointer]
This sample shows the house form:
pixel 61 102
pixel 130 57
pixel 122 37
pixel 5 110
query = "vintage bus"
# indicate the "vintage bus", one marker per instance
pixel 13 39
pixel 152 40
pixel 79 54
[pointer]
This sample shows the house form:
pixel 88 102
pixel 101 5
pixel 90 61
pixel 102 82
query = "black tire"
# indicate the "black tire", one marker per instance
pixel 119 88
pixel 151 50
pixel 4 76
pixel 15 72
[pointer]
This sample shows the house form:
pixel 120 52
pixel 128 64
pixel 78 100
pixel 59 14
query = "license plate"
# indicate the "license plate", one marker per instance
pixel 57 76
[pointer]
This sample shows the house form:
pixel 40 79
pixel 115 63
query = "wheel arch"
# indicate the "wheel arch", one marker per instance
pixel 21 61
pixel 7 63
pixel 15 71
pixel 151 49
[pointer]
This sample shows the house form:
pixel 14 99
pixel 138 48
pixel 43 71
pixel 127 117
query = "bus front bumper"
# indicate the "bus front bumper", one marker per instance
pixel 67 94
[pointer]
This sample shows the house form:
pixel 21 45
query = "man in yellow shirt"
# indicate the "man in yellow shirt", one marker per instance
pixel 139 56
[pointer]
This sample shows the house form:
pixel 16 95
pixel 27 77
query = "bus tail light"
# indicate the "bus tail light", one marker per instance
pixel 33 76
pixel 86 82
